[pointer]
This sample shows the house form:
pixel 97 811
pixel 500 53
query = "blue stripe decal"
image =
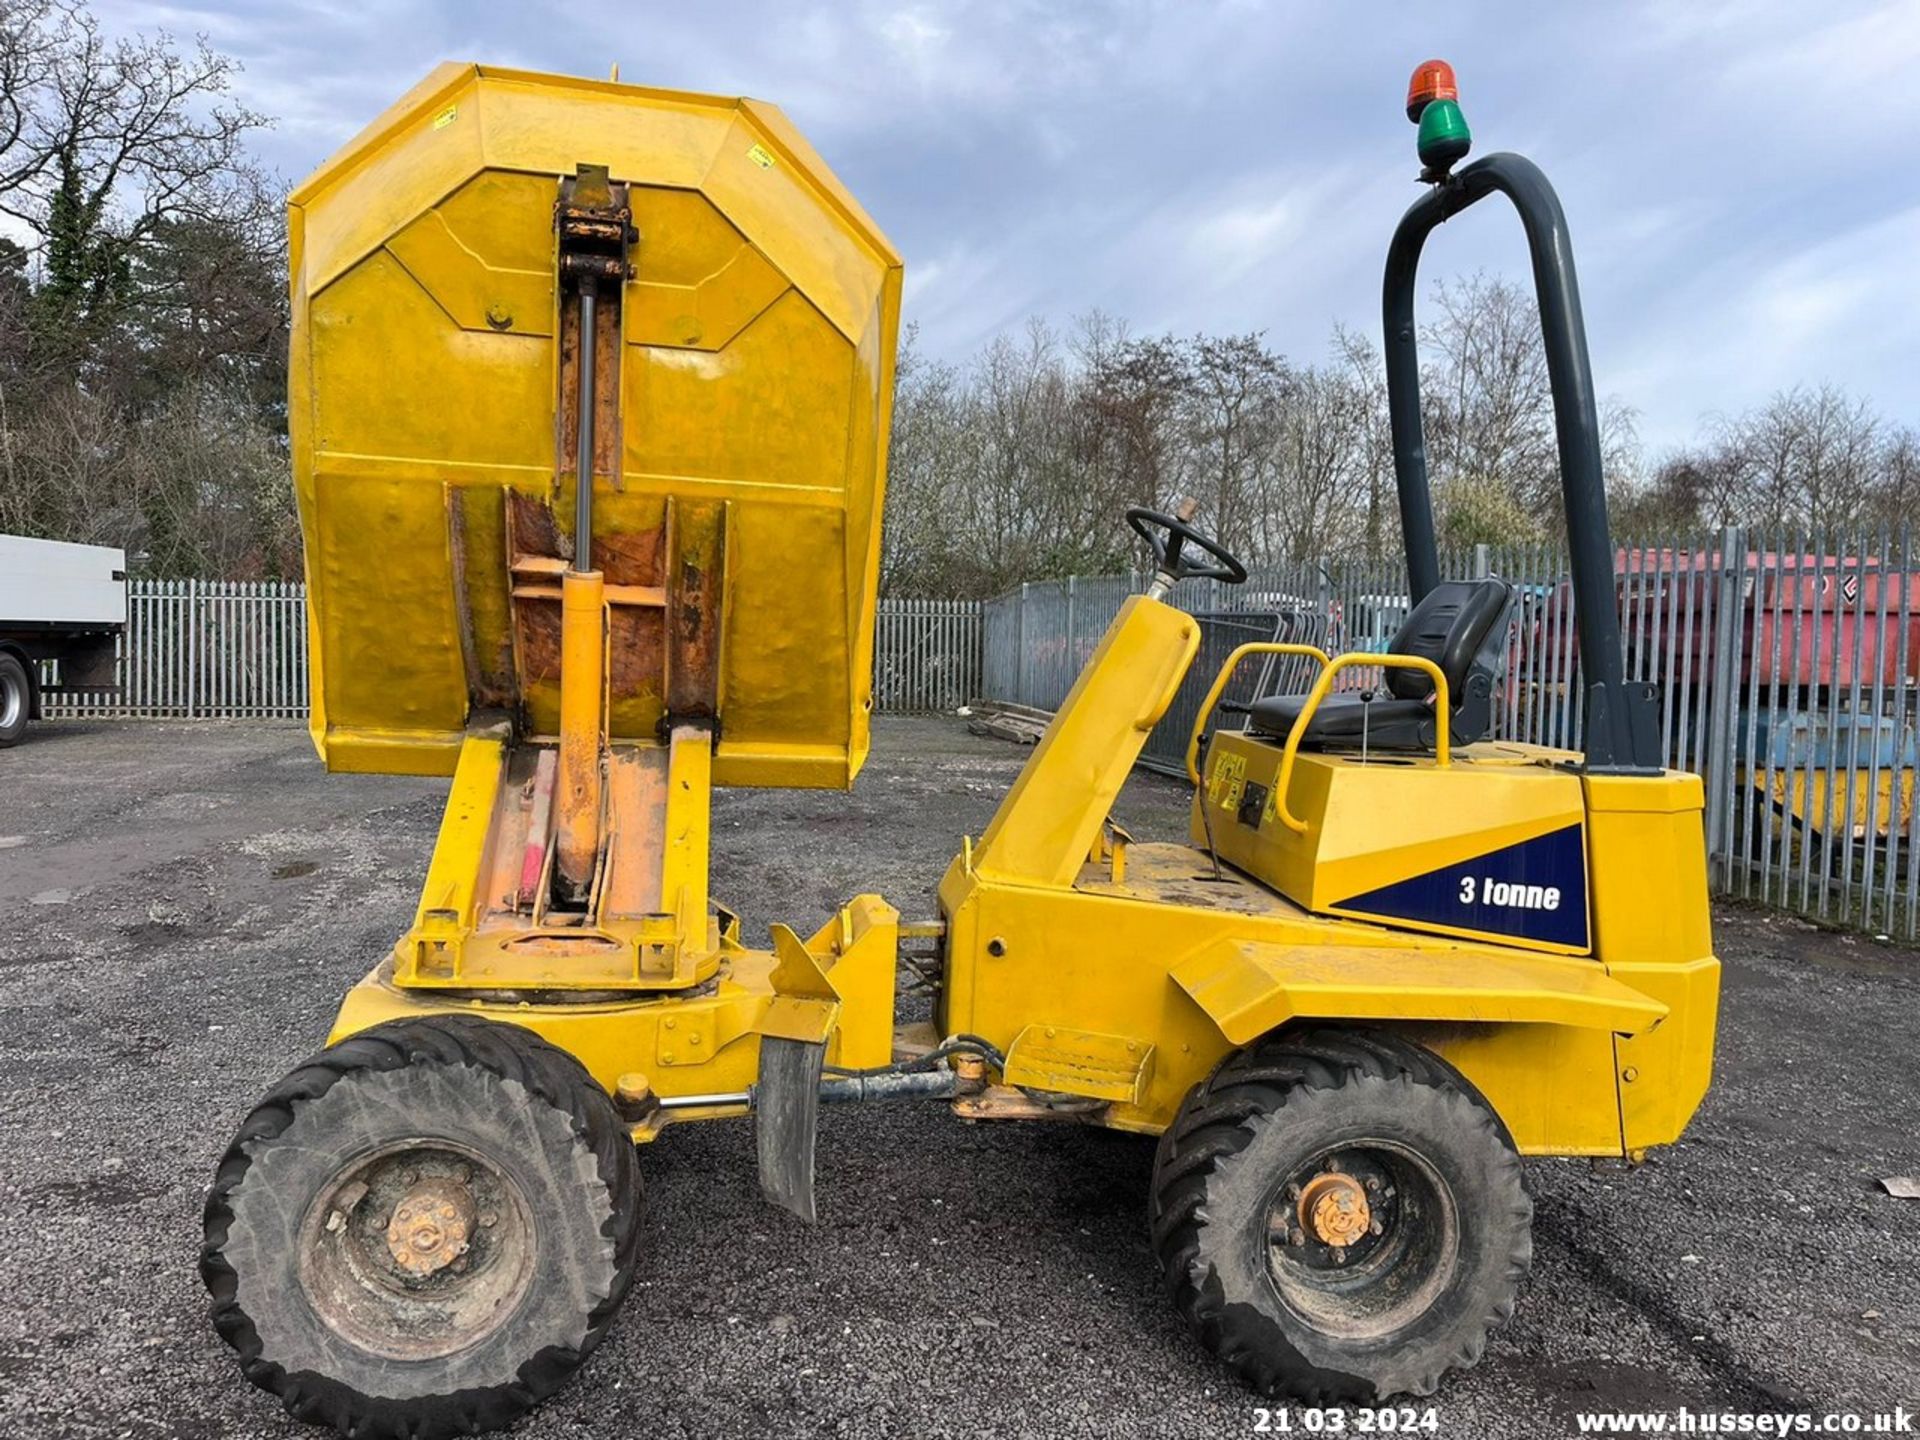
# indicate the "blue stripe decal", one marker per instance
pixel 1535 890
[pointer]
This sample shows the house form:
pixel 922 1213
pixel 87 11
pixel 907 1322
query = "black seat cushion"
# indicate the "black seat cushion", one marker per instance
pixel 1338 721
pixel 1449 626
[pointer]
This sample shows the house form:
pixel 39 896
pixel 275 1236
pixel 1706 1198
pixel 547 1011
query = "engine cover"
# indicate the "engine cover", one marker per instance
pixel 1492 845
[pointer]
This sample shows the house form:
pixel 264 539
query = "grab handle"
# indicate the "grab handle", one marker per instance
pixel 1322 687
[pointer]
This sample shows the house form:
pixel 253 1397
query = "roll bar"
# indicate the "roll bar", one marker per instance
pixel 1622 735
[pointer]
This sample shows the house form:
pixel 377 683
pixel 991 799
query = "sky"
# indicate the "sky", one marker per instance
pixel 1737 176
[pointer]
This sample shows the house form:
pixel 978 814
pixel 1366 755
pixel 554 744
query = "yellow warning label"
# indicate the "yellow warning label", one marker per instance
pixel 445 117
pixel 761 156
pixel 1227 781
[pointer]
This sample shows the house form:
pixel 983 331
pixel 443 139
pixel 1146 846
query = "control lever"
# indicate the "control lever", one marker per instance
pixel 1366 715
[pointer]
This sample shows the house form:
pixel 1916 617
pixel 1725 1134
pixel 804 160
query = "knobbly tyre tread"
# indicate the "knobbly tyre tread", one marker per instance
pixel 511 1052
pixel 1211 1127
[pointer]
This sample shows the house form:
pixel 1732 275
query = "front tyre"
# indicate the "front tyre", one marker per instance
pixel 423 1230
pixel 1340 1217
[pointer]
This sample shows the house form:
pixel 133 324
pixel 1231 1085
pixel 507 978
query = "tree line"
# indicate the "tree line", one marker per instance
pixel 143 335
pixel 143 311
pixel 1016 464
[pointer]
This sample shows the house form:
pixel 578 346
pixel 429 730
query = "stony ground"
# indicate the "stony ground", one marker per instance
pixel 181 905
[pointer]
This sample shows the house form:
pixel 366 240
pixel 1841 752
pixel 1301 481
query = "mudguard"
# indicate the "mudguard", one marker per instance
pixel 1250 987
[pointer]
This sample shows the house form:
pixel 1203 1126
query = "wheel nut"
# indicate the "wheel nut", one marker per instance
pixel 1335 1208
pixel 1376 1228
pixel 1373 1182
pixel 1297 1237
pixel 429 1229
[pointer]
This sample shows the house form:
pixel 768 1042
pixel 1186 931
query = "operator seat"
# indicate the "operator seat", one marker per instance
pixel 1461 626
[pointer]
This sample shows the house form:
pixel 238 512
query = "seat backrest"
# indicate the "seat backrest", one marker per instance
pixel 1448 627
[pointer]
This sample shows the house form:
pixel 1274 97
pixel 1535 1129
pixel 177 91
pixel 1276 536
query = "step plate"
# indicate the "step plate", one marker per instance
pixel 1080 1062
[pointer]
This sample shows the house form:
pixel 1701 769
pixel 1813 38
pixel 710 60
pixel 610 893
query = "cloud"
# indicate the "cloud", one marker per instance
pixel 1842 308
pixel 1735 174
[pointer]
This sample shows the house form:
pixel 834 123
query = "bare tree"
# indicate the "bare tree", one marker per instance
pixel 1804 458
pixel 1841 452
pixel 1766 447
pixel 109 140
pixel 1235 393
pixel 1486 397
pixel 1895 499
pixel 1373 439
pixel 1689 489
pixel 27 48
pixel 215 490
pixel 1134 394
pixel 1487 403
pixel 931 460
pixel 143 322
pixel 1313 506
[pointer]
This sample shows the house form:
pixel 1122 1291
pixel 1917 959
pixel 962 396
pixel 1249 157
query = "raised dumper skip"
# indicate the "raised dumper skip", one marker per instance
pixel 590 393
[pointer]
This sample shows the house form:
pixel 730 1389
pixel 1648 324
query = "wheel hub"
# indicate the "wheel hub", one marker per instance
pixel 431 1227
pixel 1333 1206
pixel 1361 1238
pixel 420 1249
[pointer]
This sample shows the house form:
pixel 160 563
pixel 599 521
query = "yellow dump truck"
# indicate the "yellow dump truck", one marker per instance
pixel 589 409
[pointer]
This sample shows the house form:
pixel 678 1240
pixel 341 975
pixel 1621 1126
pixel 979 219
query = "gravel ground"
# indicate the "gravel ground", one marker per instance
pixel 181 905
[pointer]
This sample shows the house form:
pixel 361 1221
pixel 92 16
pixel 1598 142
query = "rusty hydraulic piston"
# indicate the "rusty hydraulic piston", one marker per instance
pixel 594 228
pixel 583 435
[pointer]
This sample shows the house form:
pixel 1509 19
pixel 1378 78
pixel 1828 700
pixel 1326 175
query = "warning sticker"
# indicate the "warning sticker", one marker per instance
pixel 1228 780
pixel 761 156
pixel 445 117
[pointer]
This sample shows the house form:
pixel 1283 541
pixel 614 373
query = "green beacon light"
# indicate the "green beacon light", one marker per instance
pixel 1433 102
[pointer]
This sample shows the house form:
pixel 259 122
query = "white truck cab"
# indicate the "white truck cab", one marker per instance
pixel 58 602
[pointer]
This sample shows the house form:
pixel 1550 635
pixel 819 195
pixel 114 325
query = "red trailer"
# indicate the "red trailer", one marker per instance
pixel 1807 621
pixel 1824 650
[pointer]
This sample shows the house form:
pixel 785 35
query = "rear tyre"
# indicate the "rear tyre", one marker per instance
pixel 1340 1217
pixel 423 1230
pixel 16 699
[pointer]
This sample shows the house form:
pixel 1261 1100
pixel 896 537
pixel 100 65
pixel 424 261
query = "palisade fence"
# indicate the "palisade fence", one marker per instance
pixel 1785 665
pixel 926 655
pixel 219 649
pixel 211 649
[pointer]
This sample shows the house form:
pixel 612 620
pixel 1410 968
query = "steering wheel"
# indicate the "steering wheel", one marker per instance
pixel 1178 533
